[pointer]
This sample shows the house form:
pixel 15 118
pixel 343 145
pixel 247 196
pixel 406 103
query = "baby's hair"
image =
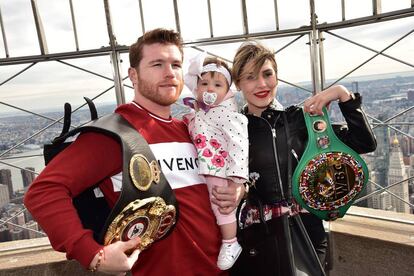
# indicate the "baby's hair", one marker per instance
pixel 219 63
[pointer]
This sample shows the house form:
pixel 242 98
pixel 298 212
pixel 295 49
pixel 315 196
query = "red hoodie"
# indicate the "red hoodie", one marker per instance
pixel 191 249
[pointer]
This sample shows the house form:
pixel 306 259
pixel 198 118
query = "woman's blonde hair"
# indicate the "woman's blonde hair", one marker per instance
pixel 251 51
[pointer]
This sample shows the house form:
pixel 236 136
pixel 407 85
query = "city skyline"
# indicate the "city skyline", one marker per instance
pixel 378 162
pixel 18 128
pixel 54 82
pixel 47 85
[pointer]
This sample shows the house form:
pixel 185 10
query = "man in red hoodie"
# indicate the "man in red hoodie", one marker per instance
pixel 192 247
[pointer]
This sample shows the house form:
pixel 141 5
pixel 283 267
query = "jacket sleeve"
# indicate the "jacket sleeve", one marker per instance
pixel 87 161
pixel 358 135
pixel 234 127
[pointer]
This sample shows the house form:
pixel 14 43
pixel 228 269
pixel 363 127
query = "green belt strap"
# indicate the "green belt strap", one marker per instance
pixel 330 175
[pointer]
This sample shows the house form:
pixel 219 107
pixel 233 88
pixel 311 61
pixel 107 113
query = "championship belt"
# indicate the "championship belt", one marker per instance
pixel 146 208
pixel 330 174
pixel 148 218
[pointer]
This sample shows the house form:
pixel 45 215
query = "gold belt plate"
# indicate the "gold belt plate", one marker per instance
pixel 149 218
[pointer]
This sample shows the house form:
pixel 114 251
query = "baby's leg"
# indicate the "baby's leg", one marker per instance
pixel 227 223
pixel 230 249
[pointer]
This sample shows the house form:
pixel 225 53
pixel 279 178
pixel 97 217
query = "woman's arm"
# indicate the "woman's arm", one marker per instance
pixel 314 104
pixel 358 135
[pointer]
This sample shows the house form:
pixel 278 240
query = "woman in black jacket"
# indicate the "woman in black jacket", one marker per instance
pixel 271 161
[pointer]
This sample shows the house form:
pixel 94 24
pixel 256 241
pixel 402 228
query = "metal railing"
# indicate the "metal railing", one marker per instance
pixel 314 31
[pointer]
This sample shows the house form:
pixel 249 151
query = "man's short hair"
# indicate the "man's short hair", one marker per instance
pixel 162 36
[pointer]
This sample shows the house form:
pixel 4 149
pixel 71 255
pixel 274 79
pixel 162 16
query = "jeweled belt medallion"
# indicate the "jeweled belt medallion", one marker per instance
pixel 149 218
pixel 330 175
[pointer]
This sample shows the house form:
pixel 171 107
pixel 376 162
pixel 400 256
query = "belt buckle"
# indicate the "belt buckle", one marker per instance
pixel 149 218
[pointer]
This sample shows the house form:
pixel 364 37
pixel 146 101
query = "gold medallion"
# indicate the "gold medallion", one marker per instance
pixel 149 218
pixel 142 172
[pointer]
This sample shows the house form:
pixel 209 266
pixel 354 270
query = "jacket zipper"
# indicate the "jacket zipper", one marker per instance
pixel 277 161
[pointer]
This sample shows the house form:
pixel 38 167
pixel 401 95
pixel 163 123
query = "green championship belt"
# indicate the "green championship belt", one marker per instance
pixel 330 174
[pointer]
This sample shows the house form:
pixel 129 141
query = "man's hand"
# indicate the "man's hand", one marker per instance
pixel 114 260
pixel 228 198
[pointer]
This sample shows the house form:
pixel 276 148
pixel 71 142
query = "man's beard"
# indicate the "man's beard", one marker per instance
pixel 151 92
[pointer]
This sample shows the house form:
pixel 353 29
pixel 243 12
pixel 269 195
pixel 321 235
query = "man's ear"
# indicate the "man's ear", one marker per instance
pixel 133 75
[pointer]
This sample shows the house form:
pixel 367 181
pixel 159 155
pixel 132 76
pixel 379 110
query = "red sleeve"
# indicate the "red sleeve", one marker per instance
pixel 87 161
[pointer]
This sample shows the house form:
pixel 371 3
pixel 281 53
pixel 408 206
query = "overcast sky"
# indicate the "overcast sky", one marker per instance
pixel 52 83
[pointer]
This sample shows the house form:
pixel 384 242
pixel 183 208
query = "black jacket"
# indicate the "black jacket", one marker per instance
pixel 268 144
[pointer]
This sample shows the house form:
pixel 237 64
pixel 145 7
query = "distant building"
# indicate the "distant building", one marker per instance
pixel 4 233
pixel 382 201
pixel 4 195
pixel 16 234
pixel 28 176
pixel 370 188
pixel 27 215
pixel 382 134
pixel 32 234
pixel 410 95
pixel 11 221
pixel 20 219
pixel 355 87
pixel 6 179
pixel 406 146
pixel 396 173
pixel 379 200
pixel 15 215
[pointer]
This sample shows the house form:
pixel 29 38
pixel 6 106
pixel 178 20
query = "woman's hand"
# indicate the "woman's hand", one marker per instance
pixel 228 198
pixel 314 104
pixel 114 261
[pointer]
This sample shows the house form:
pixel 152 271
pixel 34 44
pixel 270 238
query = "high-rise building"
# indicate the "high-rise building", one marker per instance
pixel 4 233
pixel 6 179
pixel 396 173
pixel 27 215
pixel 32 234
pixel 16 234
pixel 20 219
pixel 370 188
pixel 410 95
pixel 384 201
pixel 4 195
pixel 11 220
pixel 28 176
pixel 382 134
pixel 379 200
pixel 406 146
pixel 355 87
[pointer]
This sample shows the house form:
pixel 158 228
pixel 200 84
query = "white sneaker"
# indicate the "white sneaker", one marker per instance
pixel 229 252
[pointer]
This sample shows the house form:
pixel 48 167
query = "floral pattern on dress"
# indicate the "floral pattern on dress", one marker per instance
pixel 220 137
pixel 200 141
pixel 215 160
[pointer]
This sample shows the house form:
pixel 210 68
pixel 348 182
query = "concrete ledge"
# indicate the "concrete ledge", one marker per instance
pixel 36 257
pixel 369 246
pixel 362 245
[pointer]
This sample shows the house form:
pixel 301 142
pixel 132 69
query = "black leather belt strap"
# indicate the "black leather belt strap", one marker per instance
pixel 115 126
